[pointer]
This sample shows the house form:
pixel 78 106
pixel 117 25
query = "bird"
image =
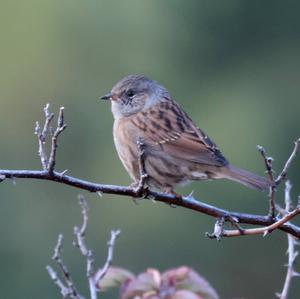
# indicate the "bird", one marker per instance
pixel 176 150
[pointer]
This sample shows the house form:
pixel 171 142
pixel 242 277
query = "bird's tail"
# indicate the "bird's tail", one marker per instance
pixel 246 178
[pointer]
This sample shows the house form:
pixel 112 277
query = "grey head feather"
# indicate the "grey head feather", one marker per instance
pixel 136 93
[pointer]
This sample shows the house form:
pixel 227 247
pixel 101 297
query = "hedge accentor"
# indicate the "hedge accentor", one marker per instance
pixel 176 150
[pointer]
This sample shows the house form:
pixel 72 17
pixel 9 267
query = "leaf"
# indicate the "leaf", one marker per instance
pixel 115 277
pixel 184 294
pixel 146 284
pixel 152 276
pixel 176 274
pixel 185 278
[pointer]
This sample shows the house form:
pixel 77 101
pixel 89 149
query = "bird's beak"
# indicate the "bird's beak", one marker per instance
pixel 107 96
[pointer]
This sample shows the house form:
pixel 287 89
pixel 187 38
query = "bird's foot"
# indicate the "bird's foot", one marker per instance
pixel 140 190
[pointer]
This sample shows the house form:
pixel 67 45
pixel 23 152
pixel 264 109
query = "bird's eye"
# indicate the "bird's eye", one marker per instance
pixel 130 93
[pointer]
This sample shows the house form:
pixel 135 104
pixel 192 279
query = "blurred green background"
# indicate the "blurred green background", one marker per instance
pixel 233 65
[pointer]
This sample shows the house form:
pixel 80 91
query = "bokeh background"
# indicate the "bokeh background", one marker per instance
pixel 233 65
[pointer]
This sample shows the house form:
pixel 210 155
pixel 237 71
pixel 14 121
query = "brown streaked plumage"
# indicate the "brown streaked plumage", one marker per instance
pixel 176 150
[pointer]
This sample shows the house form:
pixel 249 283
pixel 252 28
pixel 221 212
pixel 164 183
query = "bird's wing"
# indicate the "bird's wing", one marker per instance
pixel 166 127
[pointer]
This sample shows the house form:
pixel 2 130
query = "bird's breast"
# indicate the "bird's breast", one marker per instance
pixel 125 142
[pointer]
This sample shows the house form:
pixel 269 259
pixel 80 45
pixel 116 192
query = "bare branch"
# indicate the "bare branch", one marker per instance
pixel 255 231
pixel 80 232
pixel 219 230
pixel 111 244
pixel 2 178
pixel 268 162
pixel 269 166
pixel 287 215
pixel 42 135
pixel 80 243
pixel 68 290
pixel 61 126
pixel 288 163
pixel 93 277
pixel 187 202
pixel 65 291
pixel 292 253
pixel 172 200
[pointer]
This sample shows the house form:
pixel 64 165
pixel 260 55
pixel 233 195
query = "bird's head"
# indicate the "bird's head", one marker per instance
pixel 134 93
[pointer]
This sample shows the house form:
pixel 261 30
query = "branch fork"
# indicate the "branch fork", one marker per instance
pixel 42 133
pixel 276 222
pixel 268 223
pixel 66 284
pixel 291 252
pixel 140 190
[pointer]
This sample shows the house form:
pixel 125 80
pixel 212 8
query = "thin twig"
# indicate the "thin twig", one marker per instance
pixel 268 162
pixel 61 126
pixel 80 232
pixel 292 253
pixel 68 290
pixel 188 202
pixel 42 135
pixel 80 243
pixel 93 278
pixel 269 166
pixel 288 163
pixel 258 231
pixel 65 291
pixel 111 244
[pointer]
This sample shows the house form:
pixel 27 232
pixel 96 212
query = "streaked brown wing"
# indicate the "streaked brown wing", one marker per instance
pixel 166 127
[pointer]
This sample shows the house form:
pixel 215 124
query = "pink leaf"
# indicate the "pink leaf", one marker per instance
pixel 146 284
pixel 176 274
pixel 199 285
pixel 115 277
pixel 184 294
pixel 185 278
